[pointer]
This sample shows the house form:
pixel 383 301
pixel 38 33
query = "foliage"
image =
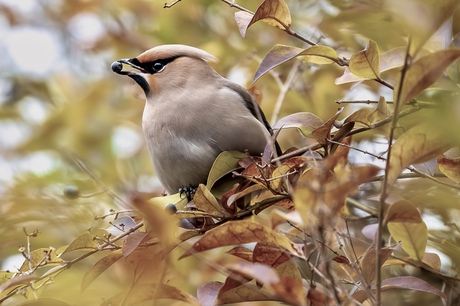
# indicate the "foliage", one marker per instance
pixel 335 220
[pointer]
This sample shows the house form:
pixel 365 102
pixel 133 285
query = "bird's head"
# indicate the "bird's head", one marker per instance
pixel 163 65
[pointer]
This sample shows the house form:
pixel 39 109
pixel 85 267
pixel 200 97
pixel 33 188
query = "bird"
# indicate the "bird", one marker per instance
pixel 192 114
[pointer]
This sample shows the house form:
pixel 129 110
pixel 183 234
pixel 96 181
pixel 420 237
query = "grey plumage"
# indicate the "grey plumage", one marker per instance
pixel 192 113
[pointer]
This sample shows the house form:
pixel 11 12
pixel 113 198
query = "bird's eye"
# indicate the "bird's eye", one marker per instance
pixel 158 67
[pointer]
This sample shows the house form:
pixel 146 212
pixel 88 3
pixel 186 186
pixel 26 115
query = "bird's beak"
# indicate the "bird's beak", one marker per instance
pixel 117 67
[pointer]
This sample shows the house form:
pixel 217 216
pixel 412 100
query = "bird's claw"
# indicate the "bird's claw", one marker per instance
pixel 187 192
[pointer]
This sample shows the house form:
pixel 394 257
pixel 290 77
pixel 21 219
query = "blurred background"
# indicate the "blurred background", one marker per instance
pixel 70 128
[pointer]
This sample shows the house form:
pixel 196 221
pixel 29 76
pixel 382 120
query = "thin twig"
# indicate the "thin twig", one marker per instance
pixel 235 5
pixel 172 4
pixel 385 185
pixel 283 91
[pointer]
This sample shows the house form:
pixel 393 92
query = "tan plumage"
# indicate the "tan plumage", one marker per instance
pixel 192 113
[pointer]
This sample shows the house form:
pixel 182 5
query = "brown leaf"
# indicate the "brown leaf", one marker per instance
pixel 366 63
pixel 412 283
pixel 100 266
pixel 246 292
pixel 241 252
pixel 423 73
pixel 369 263
pixel 322 133
pixel 240 232
pixel 432 260
pixel 402 211
pixel 205 201
pixel 320 193
pixel 266 254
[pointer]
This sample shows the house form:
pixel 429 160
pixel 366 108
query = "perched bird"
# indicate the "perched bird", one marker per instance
pixel 192 114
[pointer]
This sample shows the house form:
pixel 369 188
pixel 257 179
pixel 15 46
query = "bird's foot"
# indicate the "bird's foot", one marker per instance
pixel 188 192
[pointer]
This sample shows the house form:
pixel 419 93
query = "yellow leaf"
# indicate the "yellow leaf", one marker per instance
pixel 366 63
pixel 224 164
pixel 418 144
pixel 450 167
pixel 280 54
pixel 413 237
pixel 274 12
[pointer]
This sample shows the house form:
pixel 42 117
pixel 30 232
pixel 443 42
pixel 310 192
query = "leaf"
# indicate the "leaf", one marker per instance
pixel 205 201
pixel 207 293
pixel 423 73
pixel 304 121
pixel 121 225
pixel 319 195
pixel 366 63
pixel 323 133
pixel 100 266
pixel 83 242
pixel 10 282
pixel 274 12
pixel 410 282
pixel 225 163
pixel 421 19
pixel 450 167
pixel 132 242
pixel 382 112
pixel 243 19
pixel 260 272
pixel 401 282
pixel 241 252
pixel 369 263
pixel 413 236
pixel 402 211
pixel 240 232
pixel 388 60
pixel 279 175
pixel 417 145
pixel 142 293
pixel 41 257
pixel 432 260
pixel 244 193
pixel 280 54
pixel 360 116
pixel 246 292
